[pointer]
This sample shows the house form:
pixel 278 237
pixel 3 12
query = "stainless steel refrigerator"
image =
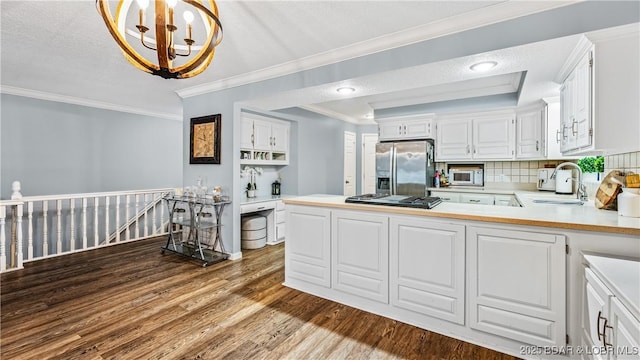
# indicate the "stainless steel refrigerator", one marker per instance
pixel 405 167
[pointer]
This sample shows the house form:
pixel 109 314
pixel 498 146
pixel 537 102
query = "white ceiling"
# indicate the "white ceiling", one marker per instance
pixel 64 48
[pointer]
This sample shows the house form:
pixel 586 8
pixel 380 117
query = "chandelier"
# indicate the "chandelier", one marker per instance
pixel 166 56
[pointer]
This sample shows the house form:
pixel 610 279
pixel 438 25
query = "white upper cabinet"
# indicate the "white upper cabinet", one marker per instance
pixel 453 139
pixel 481 136
pixel 600 95
pixel 406 128
pixel 530 133
pixel 264 140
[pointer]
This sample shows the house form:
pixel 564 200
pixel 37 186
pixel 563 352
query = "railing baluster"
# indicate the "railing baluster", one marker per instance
pixel 30 230
pixel 117 218
pixel 3 249
pixel 19 256
pixel 106 219
pixel 154 230
pixel 72 233
pixel 161 214
pixel 59 230
pixel 45 228
pixel 145 219
pixel 84 223
pixel 96 241
pixel 127 200
pixel 137 217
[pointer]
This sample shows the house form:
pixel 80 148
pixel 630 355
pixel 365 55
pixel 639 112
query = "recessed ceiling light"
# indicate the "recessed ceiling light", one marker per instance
pixel 345 90
pixel 483 66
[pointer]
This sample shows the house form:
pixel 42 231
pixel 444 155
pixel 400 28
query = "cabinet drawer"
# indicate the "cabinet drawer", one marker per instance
pixel 476 199
pixel 280 217
pixel 249 208
pixel 446 196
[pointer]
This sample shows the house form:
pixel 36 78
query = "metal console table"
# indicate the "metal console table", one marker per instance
pixel 193 224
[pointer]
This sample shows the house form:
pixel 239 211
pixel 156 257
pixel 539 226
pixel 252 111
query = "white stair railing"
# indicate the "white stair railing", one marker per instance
pixel 63 224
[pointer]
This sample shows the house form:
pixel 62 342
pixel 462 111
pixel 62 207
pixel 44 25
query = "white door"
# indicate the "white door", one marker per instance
pixel 246 133
pixel 280 137
pixel 262 135
pixel 529 127
pixel 349 163
pixel 369 163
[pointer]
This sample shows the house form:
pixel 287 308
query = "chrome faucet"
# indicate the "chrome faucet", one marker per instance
pixel 581 192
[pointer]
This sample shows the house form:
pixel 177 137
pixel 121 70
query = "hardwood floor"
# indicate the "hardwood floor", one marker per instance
pixel 130 302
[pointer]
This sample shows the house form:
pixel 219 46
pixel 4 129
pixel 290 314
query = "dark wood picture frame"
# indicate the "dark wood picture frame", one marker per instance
pixel 204 139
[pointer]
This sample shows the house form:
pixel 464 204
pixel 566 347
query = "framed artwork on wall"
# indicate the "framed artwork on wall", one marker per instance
pixel 205 140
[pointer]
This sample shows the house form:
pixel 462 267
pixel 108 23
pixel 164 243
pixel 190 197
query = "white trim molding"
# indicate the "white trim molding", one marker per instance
pixel 484 16
pixel 41 95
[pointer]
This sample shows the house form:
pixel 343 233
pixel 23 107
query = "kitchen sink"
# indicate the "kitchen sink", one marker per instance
pixel 559 201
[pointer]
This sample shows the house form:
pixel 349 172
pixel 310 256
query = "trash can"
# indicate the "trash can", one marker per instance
pixel 254 232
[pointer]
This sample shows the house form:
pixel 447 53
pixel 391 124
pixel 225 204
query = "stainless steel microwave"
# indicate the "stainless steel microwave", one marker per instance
pixel 466 176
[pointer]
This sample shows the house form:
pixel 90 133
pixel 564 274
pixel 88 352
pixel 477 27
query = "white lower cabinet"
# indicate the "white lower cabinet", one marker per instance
pixel 516 284
pixel 280 221
pixel 484 199
pixel 359 254
pixel 308 256
pixel 446 196
pixel 427 265
pixel 609 329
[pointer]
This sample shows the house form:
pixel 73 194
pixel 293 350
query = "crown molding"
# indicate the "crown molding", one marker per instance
pixel 582 47
pixel 618 32
pixel 484 16
pixel 41 95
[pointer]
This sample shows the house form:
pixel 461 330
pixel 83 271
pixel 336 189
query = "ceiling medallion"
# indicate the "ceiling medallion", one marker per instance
pixel 174 59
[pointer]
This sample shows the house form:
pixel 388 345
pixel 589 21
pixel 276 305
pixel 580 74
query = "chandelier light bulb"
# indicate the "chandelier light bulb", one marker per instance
pixel 188 17
pixel 143 4
pixel 171 3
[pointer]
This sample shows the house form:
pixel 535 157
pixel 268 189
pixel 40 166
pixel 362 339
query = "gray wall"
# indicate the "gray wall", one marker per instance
pixel 319 149
pixel 58 148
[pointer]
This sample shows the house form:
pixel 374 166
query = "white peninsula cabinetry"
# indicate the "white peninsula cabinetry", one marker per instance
pixel 263 140
pixel 427 272
pixel 480 136
pixel 406 128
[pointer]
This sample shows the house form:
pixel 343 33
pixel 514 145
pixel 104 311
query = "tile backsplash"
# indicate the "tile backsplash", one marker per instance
pixel 513 172
pixel 625 162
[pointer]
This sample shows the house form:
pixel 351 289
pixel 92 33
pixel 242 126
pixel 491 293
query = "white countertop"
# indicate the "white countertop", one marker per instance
pixel 578 217
pixel 259 199
pixel 622 276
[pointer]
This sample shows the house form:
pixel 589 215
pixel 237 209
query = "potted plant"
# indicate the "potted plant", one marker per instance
pixel 591 168
pixel 251 190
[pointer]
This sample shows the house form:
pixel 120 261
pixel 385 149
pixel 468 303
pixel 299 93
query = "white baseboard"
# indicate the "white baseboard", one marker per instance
pixel 235 256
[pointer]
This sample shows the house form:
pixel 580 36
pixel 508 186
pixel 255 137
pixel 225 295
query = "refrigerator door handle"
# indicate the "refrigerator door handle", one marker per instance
pixel 393 174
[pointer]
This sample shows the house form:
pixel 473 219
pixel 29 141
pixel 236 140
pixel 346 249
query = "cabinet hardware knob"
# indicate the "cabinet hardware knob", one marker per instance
pixel 574 129
pixel 558 136
pixel 604 333
pixel 537 145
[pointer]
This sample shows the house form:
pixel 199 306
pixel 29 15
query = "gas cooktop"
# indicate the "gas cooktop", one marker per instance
pixel 427 202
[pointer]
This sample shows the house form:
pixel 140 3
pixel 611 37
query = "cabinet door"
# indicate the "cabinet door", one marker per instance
pixel 417 129
pixel 427 264
pixel 262 135
pixel 625 331
pixel 280 231
pixel 530 139
pixel 505 200
pixel 359 254
pixel 493 138
pixel 246 133
pixel 594 312
pixel 516 284
pixel 484 199
pixel 581 125
pixel 280 137
pixel 453 139
pixel 308 246
pixel 567 101
pixel 390 130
